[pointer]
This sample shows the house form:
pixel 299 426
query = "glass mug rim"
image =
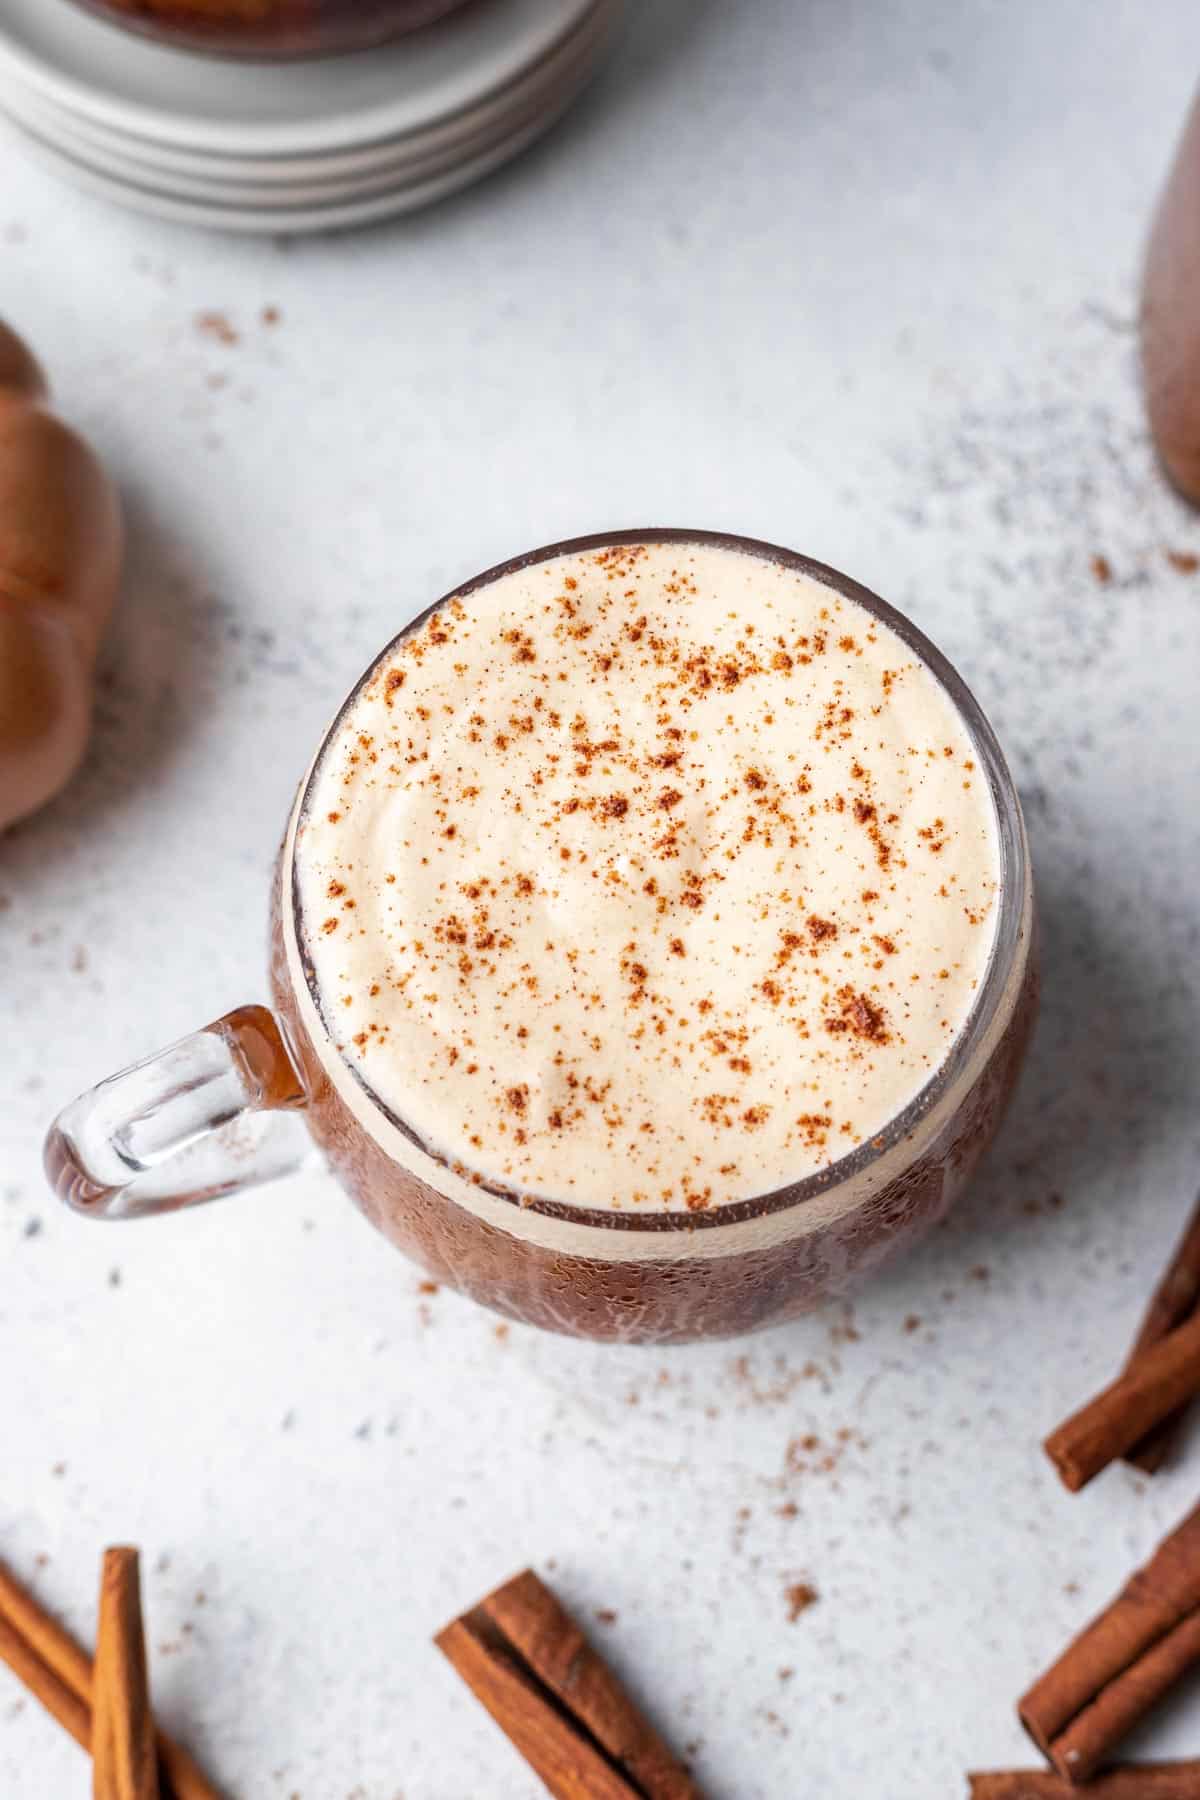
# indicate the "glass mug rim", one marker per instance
pixel 1014 887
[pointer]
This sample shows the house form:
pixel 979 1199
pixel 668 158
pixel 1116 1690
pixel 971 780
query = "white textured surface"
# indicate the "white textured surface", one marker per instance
pixel 858 279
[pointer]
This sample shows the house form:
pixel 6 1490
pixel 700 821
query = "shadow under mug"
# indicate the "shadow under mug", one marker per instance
pixel 226 1108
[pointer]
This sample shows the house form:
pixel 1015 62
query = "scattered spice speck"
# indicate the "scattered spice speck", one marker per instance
pixel 799 1597
pixel 216 326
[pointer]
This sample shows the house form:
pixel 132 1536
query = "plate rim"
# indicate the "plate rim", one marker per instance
pixel 31 111
pixel 353 126
pixel 111 162
pixel 338 216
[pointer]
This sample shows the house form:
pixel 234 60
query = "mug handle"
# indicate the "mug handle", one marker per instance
pixel 212 1113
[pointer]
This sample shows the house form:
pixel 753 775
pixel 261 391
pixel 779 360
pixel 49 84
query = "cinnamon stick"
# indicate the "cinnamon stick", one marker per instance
pixel 1123 1662
pixel 570 1766
pixel 70 1711
pixel 1154 1386
pixel 554 1697
pixel 59 1674
pixel 46 1637
pixel 124 1762
pixel 1173 1301
pixel 1133 1781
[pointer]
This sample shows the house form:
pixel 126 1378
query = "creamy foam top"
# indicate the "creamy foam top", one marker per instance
pixel 654 876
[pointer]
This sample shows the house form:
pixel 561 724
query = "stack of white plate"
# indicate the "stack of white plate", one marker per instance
pixel 294 146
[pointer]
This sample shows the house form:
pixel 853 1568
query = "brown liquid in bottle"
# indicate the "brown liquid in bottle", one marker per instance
pixel 1171 317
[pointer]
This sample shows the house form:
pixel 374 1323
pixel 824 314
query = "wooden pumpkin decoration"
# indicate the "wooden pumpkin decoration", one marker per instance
pixel 60 554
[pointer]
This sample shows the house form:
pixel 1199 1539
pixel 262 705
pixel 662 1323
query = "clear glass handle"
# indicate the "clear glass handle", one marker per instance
pixel 213 1113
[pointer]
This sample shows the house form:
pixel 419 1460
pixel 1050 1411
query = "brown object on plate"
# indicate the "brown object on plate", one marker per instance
pixel 1171 317
pixel 60 553
pixel 1123 1662
pixel 1173 1301
pixel 59 1674
pixel 124 1763
pixel 273 28
pixel 526 1660
pixel 1132 1781
pixel 1155 1385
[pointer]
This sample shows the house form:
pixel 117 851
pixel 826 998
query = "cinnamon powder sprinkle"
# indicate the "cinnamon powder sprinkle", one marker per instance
pixel 628 862
pixel 860 1016
pixel 798 1598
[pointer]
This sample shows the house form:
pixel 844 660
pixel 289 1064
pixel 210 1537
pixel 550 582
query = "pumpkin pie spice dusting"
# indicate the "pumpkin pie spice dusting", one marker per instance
pixel 648 877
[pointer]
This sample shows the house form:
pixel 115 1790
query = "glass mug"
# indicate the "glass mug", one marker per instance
pixel 272 27
pixel 221 1110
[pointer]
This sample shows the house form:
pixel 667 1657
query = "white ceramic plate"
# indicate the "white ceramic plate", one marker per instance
pixel 336 215
pixel 191 173
pixel 99 72
pixel 141 168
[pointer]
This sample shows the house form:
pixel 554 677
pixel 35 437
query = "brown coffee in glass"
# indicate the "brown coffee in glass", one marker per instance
pixel 652 949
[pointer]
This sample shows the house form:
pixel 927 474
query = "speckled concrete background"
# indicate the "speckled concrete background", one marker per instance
pixel 858 278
